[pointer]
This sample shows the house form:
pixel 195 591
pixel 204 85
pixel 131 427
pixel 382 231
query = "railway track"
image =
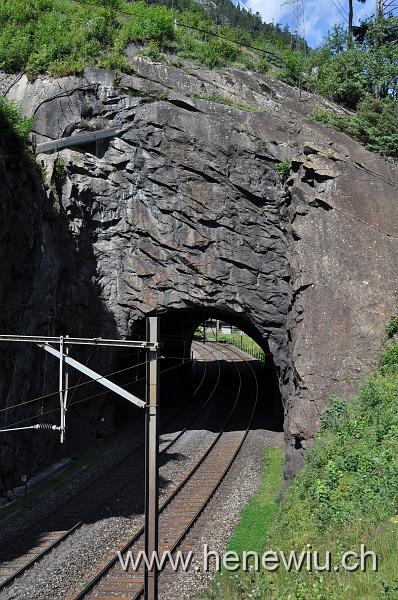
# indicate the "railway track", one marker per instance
pixel 35 543
pixel 179 512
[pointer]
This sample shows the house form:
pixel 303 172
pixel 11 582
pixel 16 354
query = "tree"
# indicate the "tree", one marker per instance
pixel 351 18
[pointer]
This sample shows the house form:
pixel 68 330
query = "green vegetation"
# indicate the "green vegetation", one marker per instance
pixel 375 123
pixel 362 78
pixel 59 173
pixel 63 36
pixel 256 518
pixel 392 327
pixel 346 495
pixel 50 485
pixel 246 343
pixel 283 169
pixel 13 124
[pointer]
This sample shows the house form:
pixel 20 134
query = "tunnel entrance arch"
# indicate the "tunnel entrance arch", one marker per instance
pixel 177 330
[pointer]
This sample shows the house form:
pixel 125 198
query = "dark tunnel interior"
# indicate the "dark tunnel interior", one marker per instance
pixel 180 372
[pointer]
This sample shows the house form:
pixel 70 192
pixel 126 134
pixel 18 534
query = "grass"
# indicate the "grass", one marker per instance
pixel 61 37
pixel 257 516
pixel 346 495
pixel 13 124
pixel 255 521
pixel 234 338
pixel 54 483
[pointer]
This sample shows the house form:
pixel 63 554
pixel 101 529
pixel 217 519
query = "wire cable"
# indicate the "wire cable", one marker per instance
pixel 343 8
pixel 93 395
pixel 70 388
pixel 42 426
pixel 80 378
pixel 123 12
pixel 340 11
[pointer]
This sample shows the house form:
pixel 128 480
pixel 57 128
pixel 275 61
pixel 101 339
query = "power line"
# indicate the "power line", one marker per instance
pixel 179 24
pixel 70 388
pixel 339 10
pixel 298 6
pixel 42 426
pixel 345 11
pixel 96 395
pixel 80 376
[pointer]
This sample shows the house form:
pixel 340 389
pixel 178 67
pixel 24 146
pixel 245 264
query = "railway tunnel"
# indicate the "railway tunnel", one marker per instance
pixel 210 391
pixel 181 363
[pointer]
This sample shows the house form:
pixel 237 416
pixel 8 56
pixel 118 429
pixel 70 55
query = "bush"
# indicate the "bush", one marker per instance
pixel 346 494
pixel 392 327
pixel 216 52
pixel 389 360
pixel 59 173
pixel 294 65
pixel 55 38
pixel 262 65
pixel 14 124
pixel 283 169
pixel 343 78
pixel 148 23
pixel 375 124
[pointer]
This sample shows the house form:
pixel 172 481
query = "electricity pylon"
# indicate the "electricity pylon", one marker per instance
pixel 298 6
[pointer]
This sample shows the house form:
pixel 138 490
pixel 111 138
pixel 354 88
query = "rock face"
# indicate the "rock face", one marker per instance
pixel 44 289
pixel 182 214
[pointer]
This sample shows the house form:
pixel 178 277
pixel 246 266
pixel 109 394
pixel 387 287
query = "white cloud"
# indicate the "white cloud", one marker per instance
pixel 320 15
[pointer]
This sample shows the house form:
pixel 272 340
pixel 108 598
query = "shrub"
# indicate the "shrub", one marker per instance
pixel 389 359
pixel 343 78
pixel 375 123
pixel 321 115
pixel 392 327
pixel 217 53
pixel 262 65
pixel 59 173
pixel 16 126
pixel 283 169
pixel 294 65
pixel 346 494
pixel 147 23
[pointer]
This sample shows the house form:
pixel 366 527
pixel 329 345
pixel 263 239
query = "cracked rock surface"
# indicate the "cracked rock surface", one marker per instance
pixel 181 213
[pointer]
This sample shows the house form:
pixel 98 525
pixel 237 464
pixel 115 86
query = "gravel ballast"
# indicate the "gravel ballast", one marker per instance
pixel 218 521
pixel 66 567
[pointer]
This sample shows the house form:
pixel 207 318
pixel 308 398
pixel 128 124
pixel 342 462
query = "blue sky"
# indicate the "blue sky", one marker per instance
pixel 320 15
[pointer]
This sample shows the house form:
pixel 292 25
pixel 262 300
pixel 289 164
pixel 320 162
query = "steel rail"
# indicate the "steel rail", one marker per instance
pixel 103 572
pixel 221 478
pixel 110 564
pixel 48 548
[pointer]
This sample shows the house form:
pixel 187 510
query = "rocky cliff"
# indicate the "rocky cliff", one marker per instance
pixel 182 214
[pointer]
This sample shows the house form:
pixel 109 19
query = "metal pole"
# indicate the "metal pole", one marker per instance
pixel 61 386
pixel 151 462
